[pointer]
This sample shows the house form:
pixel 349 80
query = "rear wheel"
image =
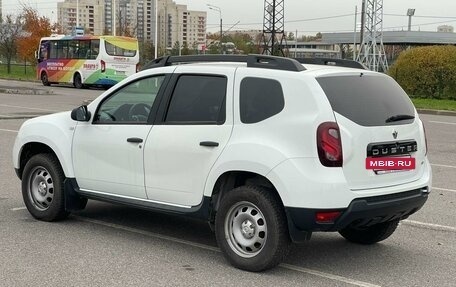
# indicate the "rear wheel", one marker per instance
pixel 371 234
pixel 45 79
pixel 42 188
pixel 251 228
pixel 77 81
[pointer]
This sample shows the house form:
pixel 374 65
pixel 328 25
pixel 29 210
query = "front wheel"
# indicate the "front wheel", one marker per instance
pixel 42 188
pixel 371 234
pixel 251 228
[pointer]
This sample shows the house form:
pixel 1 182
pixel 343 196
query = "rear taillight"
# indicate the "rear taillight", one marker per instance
pixel 425 139
pixel 329 145
pixel 103 66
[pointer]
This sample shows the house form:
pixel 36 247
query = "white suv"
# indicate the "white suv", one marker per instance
pixel 266 149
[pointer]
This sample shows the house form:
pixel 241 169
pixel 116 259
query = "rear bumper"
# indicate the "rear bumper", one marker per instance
pixel 361 212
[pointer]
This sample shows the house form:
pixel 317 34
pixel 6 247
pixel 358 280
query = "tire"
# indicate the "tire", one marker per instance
pixel 77 81
pixel 251 228
pixel 42 188
pixel 45 79
pixel 370 235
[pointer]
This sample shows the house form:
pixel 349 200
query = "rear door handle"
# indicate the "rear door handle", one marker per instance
pixel 209 144
pixel 134 140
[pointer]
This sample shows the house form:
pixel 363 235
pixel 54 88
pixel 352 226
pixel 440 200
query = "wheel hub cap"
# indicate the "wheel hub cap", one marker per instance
pixel 42 188
pixel 248 229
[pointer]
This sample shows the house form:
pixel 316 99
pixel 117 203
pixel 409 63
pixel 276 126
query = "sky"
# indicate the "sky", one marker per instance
pixel 305 16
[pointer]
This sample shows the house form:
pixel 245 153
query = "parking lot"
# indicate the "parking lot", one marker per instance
pixel 108 245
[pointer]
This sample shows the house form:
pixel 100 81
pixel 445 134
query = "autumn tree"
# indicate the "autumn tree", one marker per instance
pixel 35 27
pixel 10 31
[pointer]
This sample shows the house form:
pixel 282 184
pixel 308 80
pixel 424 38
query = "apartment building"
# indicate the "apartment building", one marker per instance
pixel 176 24
pixel 90 12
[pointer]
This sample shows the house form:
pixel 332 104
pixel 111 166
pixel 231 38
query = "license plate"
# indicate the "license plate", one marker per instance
pixel 120 72
pixel 390 163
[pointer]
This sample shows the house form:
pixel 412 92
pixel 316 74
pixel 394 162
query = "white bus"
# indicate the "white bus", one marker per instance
pixel 86 60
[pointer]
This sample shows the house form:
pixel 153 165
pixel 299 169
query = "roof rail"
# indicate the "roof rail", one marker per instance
pixel 252 60
pixel 332 62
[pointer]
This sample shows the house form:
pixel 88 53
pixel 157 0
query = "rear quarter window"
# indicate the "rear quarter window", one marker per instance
pixel 368 100
pixel 260 99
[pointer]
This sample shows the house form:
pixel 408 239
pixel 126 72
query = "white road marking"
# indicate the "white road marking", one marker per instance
pixel 328 275
pixel 444 123
pixel 21 107
pixel 215 249
pixel 430 225
pixel 443 165
pixel 18 208
pixel 444 189
pixel 146 233
pixel 11 131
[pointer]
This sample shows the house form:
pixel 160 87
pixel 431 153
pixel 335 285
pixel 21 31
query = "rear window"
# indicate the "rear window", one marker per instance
pixel 368 100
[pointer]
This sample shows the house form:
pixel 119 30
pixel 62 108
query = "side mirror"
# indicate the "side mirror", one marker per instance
pixel 80 114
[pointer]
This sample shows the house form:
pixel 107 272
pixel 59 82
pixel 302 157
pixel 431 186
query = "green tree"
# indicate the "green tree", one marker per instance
pixel 185 50
pixel 175 49
pixel 427 71
pixel 290 36
pixel 10 31
pixel 146 51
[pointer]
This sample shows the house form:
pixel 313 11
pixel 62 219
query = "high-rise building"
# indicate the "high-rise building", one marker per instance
pixel 91 15
pixel 176 24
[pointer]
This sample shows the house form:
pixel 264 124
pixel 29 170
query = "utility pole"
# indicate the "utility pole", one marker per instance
pixel 218 9
pixel 372 52
pixel 273 27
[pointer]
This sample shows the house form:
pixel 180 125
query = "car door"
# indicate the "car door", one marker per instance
pixel 108 152
pixel 189 134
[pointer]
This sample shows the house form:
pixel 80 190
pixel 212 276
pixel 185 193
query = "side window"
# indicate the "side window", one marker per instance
pixel 131 104
pixel 260 99
pixel 198 99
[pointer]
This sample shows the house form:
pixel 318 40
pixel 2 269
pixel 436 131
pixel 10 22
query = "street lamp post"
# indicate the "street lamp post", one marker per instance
pixel 216 8
pixel 410 13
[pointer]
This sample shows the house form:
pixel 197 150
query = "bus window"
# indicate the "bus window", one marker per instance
pixel 53 50
pixel 83 49
pixel 117 51
pixel 62 49
pixel 94 49
pixel 73 46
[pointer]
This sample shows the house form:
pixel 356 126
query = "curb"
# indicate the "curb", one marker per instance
pixel 27 91
pixel 436 112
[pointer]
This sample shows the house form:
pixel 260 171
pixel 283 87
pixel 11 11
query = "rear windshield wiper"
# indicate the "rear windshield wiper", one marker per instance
pixel 397 118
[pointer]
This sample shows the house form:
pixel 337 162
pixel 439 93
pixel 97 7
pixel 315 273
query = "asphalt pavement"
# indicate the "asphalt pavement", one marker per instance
pixel 109 245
